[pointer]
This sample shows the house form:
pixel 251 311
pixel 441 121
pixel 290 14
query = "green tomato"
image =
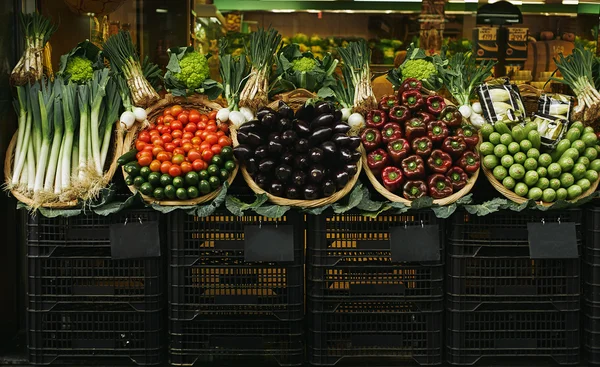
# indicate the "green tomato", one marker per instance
pixel 578 171
pixel 486 148
pixel 525 145
pixel 509 182
pixel 591 175
pixel 494 138
pixel 543 183
pixel 520 157
pixel 545 160
pixel 595 165
pixel 533 153
pixel 554 170
pixel 561 194
pixel 500 173
pixel 507 161
pixel 542 171
pixel 579 145
pixel 584 183
pixel 521 189
pixel 530 164
pixel 535 193
pixel 506 139
pixel 514 148
pixel 517 171
pixel 583 160
pixel 555 184
pixel 567 180
pixel 573 192
pixel 490 161
pixel 549 195
pixel 590 153
pixel 500 150
pixel 531 178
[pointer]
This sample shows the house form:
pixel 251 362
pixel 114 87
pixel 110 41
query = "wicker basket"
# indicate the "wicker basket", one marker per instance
pixel 114 154
pixel 295 99
pixel 200 103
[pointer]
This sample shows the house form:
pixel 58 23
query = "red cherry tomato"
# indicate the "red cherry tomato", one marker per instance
pixel 204 118
pixel 158 142
pixel 159 120
pixel 207 155
pixel 196 140
pixel 177 134
pixel 224 141
pixel 139 145
pixel 198 133
pixel 177 142
pixel 168 119
pixel 220 133
pixel 167 138
pixel 169 147
pixel 174 171
pixel 223 127
pixel 193 154
pixel 179 150
pixel 204 146
pixel 187 146
pixel 204 135
pixel 216 149
pixel 187 135
pixel 198 165
pixel 186 167
pixel 201 126
pixel 211 128
pixel 144 136
pixel 163 156
pixel 183 118
pixel 167 111
pixel 149 148
pixel 212 115
pixel 145 160
pixel 155 166
pixel 151 126
pixel 194 117
pixel 176 125
pixel 212 139
pixel 164 166
pixel 178 159
pixel 176 110
pixel 156 150
pixel 191 128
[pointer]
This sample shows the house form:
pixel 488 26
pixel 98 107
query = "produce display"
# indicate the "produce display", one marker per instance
pixel 304 155
pixel 182 155
pixel 417 145
pixel 516 159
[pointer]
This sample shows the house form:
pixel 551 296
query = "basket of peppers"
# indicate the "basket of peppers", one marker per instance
pixel 416 145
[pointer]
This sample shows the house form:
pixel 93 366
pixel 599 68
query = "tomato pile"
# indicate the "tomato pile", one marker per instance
pixel 182 155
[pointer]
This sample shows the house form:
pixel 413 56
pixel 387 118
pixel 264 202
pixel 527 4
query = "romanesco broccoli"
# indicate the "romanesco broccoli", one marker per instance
pixel 304 64
pixel 419 69
pixel 80 69
pixel 194 70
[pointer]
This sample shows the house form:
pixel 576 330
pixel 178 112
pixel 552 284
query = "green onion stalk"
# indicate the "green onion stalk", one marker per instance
pixel 38 30
pixel 70 119
pixel 261 50
pixel 83 97
pixel 121 53
pixel 21 104
pixel 113 105
pixel 46 107
pixel 98 91
pixel 234 73
pixel 57 139
pixel 356 58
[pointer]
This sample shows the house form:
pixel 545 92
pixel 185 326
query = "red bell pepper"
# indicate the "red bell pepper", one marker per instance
pixel 387 102
pixel 454 145
pixel 469 162
pixel 398 150
pixel 426 117
pixel 439 162
pixel 469 135
pixel 414 190
pixel 377 160
pixel 458 178
pixel 439 186
pixel 391 131
pixel 435 104
pixel 437 131
pixel 392 178
pixel 413 99
pixel 451 116
pixel 371 139
pixel 399 114
pixel 415 128
pixel 376 118
pixel 413 167
pixel 411 84
pixel 422 146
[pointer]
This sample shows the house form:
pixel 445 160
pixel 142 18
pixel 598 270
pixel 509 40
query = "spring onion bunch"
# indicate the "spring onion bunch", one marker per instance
pixel 356 58
pixel 38 30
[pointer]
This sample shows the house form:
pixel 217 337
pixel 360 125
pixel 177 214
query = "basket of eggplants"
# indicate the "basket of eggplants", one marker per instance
pixel 303 159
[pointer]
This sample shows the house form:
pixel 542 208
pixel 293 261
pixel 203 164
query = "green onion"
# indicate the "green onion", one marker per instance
pixel 234 73
pixel 98 91
pixel 113 105
pixel 46 107
pixel 58 137
pixel 83 96
pixel 21 106
pixel 69 95
pixel 356 70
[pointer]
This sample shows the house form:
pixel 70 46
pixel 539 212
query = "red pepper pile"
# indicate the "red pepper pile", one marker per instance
pixel 417 146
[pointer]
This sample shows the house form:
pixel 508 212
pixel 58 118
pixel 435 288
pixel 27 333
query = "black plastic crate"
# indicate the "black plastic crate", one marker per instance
pixel 69 261
pixel 350 256
pixel 104 333
pixel 375 334
pixel 591 335
pixel 489 262
pixel 507 337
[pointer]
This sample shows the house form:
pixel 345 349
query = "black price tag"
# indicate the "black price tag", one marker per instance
pixel 552 240
pixel 415 243
pixel 134 239
pixel 269 243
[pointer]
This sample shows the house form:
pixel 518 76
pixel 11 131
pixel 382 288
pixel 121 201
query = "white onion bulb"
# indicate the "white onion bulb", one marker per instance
pixel 477 108
pixel 346 112
pixel 237 118
pixel 140 114
pixel 356 121
pixel 223 115
pixel 127 119
pixel 248 114
pixel 465 110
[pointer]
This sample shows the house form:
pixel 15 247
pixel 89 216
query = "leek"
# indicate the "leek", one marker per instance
pixel 357 58
pixel 97 93
pixel 69 95
pixel 46 107
pixel 58 137
pixel 113 105
pixel 22 107
pixel 84 111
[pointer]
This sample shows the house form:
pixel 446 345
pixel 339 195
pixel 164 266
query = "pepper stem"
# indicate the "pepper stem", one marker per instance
pixel 393 176
pixel 440 185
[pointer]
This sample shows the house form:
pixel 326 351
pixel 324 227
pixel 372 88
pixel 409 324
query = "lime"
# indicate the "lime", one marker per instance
pixel 170 192
pixel 584 183
pixel 181 193
pixel 554 170
pixel 549 195
pixel 507 161
pixel 579 145
pixel 543 183
pixel 520 157
pixel 486 131
pixel 588 129
pixel 589 139
pixel 486 148
pixel 533 153
pixel 230 166
pixel 535 193
pixel 555 184
pixel 514 148
pixel 590 153
pixel 500 173
pixel 138 181
pixel 561 194
pixel 178 182
pixel 490 161
pixel 591 175
pixel 509 182
pixel 192 179
pixel 166 180
pixel 516 171
pixel 595 165
pixel 159 193
pixel 542 171
pixel 578 171
pixel 224 175
pixel 145 171
pixel 506 139
pixel 214 182
pixel 500 150
pixel 566 164
pixel 525 145
pixel 154 178
pixel 574 191
pixel 583 160
pixel 204 175
pixel 545 160
pixel 494 138
pixel 204 187
pixel 567 180
pixel 521 189
pixel 193 192
pixel 146 188
pixel 530 164
pixel 531 178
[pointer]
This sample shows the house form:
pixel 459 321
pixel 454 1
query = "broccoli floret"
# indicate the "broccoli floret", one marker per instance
pixel 80 69
pixel 304 64
pixel 419 69
pixel 194 70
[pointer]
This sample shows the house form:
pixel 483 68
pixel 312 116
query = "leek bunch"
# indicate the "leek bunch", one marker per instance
pixel 356 58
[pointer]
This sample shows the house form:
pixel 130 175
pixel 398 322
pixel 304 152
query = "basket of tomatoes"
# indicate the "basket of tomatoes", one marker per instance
pixel 180 155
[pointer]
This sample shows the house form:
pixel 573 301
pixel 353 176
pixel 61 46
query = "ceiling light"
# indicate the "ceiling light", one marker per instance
pixel 159 10
pixel 314 11
pixel 392 1
pixel 514 2
pixel 283 10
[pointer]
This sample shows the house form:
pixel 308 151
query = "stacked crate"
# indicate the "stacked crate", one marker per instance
pixel 226 304
pixel 502 305
pixel 363 307
pixel 84 306
pixel 591 302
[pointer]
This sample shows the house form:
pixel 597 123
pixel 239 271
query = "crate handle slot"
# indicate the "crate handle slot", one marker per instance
pixel 499 251
pixel 396 289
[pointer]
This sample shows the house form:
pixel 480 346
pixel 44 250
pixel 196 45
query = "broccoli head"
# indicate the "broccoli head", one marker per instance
pixel 194 70
pixel 419 69
pixel 304 64
pixel 80 69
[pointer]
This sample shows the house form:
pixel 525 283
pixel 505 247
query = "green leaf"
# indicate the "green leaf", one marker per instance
pixel 421 203
pixel 367 204
pixel 354 199
pixel 511 205
pixel 169 209
pixel 376 213
pixel 272 211
pixel 467 199
pixel 212 89
pixel 486 208
pixel 53 213
pixel 401 207
pixel 209 209
pixel 117 206
pixel 325 92
pixel 21 205
pixel 316 211
pixel 444 211
pixel 238 207
pixel 106 196
pixel 173 65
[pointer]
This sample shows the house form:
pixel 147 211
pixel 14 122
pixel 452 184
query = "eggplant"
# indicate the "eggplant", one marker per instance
pixel 354 142
pixel 292 192
pixel 301 162
pixel 301 146
pixel 289 137
pixel 275 137
pixel 266 165
pixel 320 135
pixel 322 108
pixel 317 173
pixel 345 155
pixel 285 125
pixel 337 115
pixel 287 158
pixel 275 148
pixel 341 128
pixel 356 156
pixel 276 188
pixel 311 192
pixel 243 152
pixel 329 149
pixel 261 152
pixel 302 128
pixel 263 111
pixel 306 112
pixel 262 181
pixel 351 169
pixel 269 120
pixel 322 121
pixel 341 140
pixel 316 154
pixel 242 137
pixel 251 166
pixel 285 111
pixel 249 127
pixel 254 139
pixel 328 188
pixel 299 178
pixel 341 179
pixel 283 172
